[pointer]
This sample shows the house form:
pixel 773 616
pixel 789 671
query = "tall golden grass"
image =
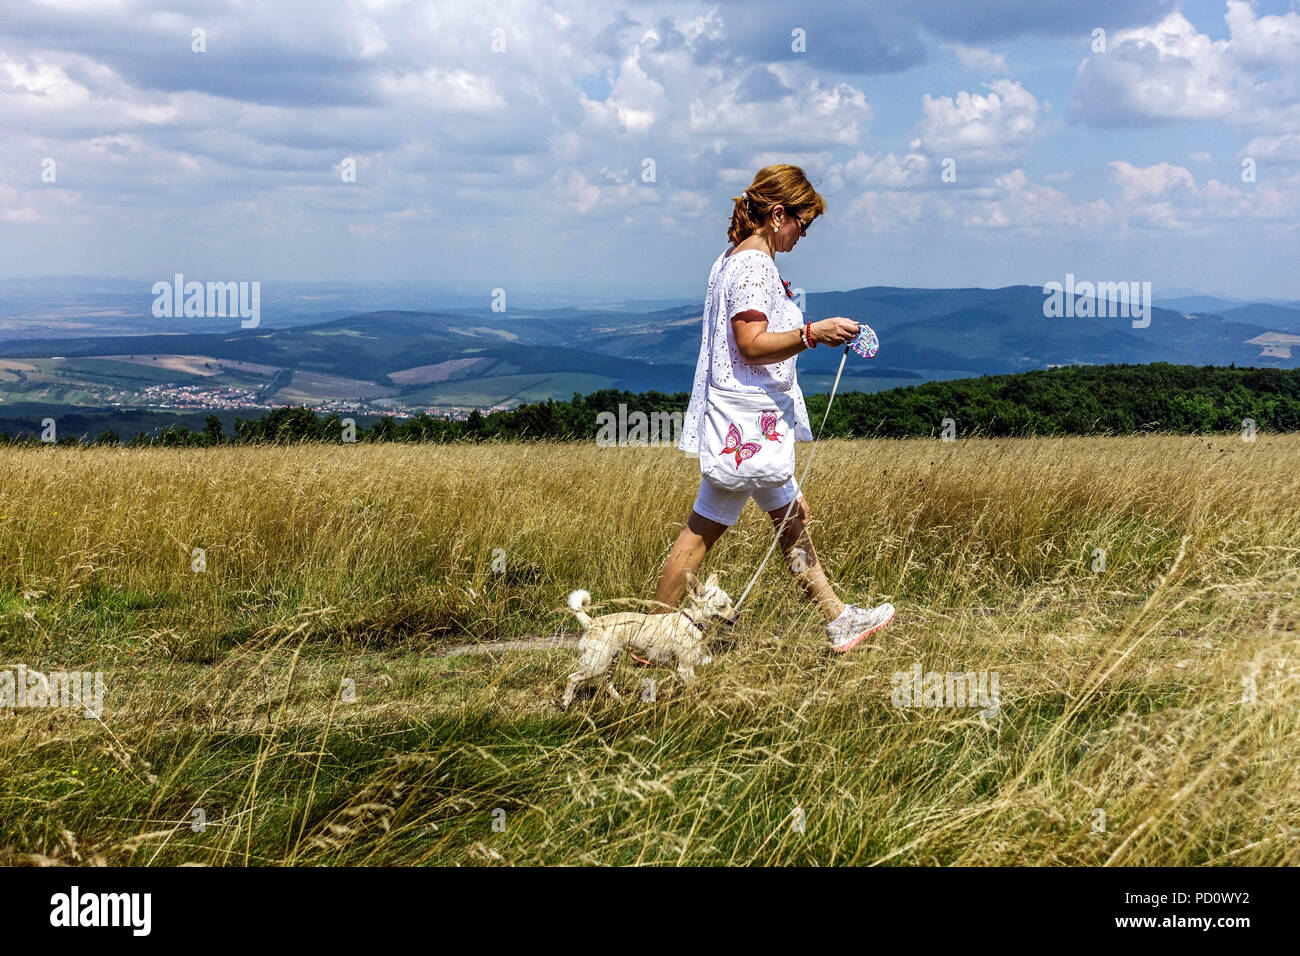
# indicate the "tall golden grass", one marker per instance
pixel 295 703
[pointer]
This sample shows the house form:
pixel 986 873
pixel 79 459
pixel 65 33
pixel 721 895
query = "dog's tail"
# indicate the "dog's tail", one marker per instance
pixel 579 601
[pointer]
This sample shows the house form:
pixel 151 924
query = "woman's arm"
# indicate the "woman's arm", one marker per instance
pixel 760 347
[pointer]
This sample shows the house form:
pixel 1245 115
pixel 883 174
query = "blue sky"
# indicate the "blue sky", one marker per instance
pixel 503 143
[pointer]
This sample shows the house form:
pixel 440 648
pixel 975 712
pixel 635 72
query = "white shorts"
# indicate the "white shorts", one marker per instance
pixel 725 507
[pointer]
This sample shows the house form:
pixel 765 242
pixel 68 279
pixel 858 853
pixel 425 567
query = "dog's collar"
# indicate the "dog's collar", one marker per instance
pixel 698 624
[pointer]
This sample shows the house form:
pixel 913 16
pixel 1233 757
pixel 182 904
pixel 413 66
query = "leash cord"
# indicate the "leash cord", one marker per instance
pixel 799 493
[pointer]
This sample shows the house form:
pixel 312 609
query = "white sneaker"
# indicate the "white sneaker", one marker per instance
pixel 847 631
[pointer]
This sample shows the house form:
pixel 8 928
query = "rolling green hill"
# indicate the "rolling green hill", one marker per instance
pixel 1080 400
pixel 412 361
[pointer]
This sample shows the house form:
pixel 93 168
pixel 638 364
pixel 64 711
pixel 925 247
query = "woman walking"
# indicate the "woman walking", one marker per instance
pixel 746 409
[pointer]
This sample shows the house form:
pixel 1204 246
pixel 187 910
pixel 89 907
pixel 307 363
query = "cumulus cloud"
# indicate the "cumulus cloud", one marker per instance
pixel 1161 197
pixel 1170 71
pixel 978 129
pixel 1138 182
pixel 1273 149
pixel 1168 197
pixel 535 137
pixel 1009 202
pixel 885 170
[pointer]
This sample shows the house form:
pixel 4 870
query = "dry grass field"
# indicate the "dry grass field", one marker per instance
pixel 295 701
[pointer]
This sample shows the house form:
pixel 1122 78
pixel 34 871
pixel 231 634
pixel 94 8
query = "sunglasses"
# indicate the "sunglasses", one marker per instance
pixel 803 226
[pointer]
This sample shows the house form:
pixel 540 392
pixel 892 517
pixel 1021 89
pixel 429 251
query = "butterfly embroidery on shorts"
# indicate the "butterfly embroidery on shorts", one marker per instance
pixel 767 425
pixel 742 451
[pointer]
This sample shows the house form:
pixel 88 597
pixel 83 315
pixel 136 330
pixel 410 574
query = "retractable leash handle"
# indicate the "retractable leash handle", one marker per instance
pixel 865 344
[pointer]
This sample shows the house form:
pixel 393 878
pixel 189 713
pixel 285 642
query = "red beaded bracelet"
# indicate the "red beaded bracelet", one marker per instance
pixel 806 333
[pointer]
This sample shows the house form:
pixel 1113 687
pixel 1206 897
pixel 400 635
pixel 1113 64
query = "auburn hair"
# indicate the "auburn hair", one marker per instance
pixel 780 185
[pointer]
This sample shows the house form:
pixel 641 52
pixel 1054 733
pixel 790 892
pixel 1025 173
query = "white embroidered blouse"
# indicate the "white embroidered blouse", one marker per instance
pixel 737 283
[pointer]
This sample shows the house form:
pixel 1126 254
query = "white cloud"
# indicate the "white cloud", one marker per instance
pixel 1015 202
pixel 1142 181
pixel 40 78
pixel 446 91
pixel 1274 149
pixel 977 59
pixel 1170 71
pixel 1160 197
pixel 911 170
pixel 1262 41
pixel 1167 197
pixel 817 114
pixel 582 194
pixel 980 130
pixel 635 99
pixel 153 142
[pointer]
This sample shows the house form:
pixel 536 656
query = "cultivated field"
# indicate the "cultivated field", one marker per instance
pixel 295 702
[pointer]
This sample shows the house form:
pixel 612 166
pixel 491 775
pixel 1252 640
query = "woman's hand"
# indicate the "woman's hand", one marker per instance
pixel 835 331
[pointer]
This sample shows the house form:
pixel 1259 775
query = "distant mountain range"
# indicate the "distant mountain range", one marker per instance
pixel 61 307
pixel 457 357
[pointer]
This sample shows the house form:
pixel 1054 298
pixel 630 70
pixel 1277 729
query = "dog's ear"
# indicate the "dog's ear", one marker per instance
pixel 692 582
pixel 712 582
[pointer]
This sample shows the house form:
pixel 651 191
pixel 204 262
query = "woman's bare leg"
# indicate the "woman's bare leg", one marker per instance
pixel 801 558
pixel 687 554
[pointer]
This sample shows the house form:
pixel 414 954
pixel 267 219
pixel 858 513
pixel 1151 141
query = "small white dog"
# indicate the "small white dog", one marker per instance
pixel 659 638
